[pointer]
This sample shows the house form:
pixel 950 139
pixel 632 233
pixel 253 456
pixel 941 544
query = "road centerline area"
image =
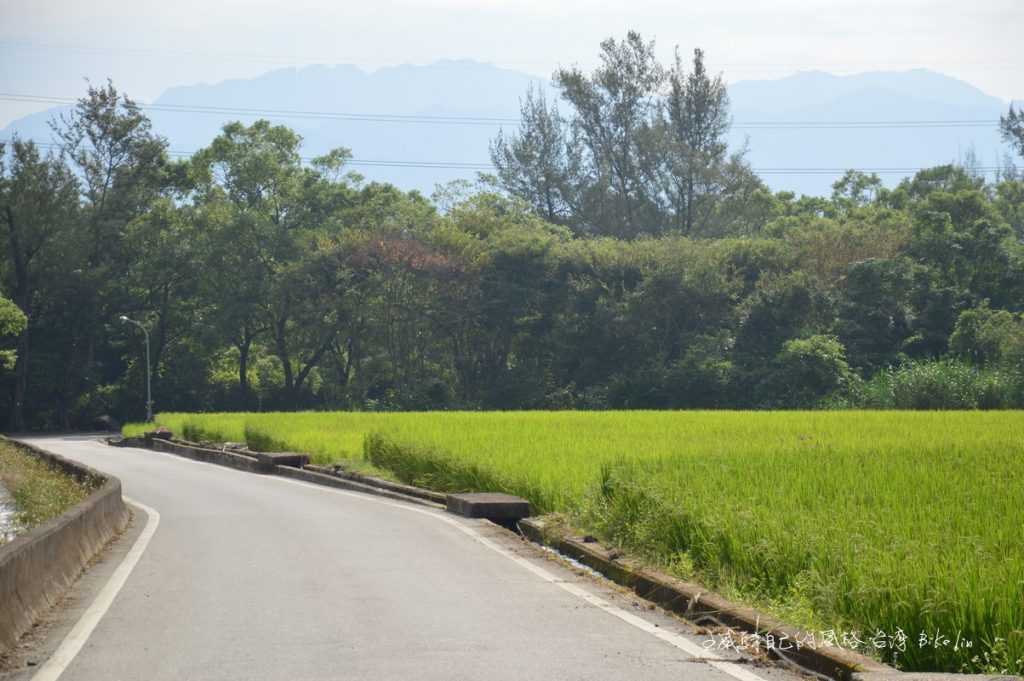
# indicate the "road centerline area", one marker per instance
pixel 251 579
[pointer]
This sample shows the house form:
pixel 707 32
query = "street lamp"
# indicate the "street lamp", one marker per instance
pixel 149 389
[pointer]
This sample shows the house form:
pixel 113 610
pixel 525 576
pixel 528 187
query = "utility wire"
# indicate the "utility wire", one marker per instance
pixel 284 113
pixel 453 165
pixel 497 120
pixel 485 167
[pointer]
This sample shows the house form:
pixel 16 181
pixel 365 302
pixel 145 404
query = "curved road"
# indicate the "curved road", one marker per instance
pixel 256 577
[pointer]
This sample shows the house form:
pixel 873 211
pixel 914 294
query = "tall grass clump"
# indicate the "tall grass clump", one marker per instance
pixel 935 384
pixel 326 436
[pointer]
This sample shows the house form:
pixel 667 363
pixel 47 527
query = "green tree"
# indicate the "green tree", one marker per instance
pixel 234 282
pixel 781 307
pixel 874 313
pixel 1012 128
pixel 949 179
pixel 270 213
pixel 122 168
pixel 162 282
pixel 698 173
pixel 989 337
pixel 642 151
pixel 38 211
pixel 613 109
pixel 541 162
pixel 1009 202
pixel 120 161
pixel 855 190
pixel 807 370
pixel 12 323
pixel 961 235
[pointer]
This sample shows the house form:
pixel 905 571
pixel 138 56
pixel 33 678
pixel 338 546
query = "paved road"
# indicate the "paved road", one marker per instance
pixel 254 577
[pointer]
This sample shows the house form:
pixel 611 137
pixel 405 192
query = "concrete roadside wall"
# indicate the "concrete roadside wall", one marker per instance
pixel 264 462
pixel 37 568
pixel 223 458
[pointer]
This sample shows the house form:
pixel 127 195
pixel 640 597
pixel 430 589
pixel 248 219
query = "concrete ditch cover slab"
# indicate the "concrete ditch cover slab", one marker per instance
pixel 490 505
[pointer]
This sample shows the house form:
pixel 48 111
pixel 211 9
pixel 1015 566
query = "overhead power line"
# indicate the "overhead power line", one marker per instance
pixel 284 113
pixel 846 125
pixel 494 121
pixel 485 167
pixel 452 165
pixel 875 171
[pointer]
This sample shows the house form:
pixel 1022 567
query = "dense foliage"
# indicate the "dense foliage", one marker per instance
pixel 620 259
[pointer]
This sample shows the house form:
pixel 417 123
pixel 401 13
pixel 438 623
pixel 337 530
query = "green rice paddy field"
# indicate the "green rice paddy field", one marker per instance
pixel 899 523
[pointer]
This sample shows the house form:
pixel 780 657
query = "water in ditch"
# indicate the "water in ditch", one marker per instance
pixel 8 516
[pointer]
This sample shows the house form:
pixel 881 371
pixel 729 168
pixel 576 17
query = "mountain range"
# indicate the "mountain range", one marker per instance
pixel 418 126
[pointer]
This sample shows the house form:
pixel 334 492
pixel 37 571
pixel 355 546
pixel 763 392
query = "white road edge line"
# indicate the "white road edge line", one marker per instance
pixel 675 640
pixel 79 634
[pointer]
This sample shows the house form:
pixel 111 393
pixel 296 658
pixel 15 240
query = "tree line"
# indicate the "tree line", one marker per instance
pixel 620 257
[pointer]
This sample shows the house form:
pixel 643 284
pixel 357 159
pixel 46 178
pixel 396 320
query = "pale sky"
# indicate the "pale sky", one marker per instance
pixel 146 46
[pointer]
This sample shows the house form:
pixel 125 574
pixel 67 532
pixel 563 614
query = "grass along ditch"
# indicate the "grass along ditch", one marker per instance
pixel 39 490
pixel 899 528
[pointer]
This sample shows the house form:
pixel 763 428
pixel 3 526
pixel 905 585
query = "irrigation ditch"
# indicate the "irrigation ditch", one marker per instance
pixel 39 566
pixel 686 599
pixel 8 517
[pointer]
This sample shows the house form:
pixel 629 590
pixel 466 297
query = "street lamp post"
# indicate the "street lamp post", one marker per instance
pixel 149 384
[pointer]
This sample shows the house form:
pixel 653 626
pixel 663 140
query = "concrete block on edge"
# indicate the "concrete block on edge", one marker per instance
pixel 282 459
pixel 489 505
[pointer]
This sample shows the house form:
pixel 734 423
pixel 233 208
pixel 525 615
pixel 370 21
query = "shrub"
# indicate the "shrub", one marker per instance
pixel 935 384
pixel 989 337
pixel 808 369
pixel 259 440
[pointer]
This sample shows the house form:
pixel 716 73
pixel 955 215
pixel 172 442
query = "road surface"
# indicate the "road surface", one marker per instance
pixel 255 577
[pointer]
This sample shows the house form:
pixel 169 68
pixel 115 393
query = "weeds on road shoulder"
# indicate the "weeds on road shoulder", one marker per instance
pixel 40 491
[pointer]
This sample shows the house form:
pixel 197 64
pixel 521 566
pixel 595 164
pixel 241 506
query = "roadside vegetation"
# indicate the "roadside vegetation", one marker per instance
pixel 850 521
pixel 41 492
pixel 328 437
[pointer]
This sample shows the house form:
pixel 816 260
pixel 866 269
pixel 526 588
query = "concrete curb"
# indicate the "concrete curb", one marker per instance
pixel 406 490
pixel 224 458
pixel 310 474
pixel 698 604
pixel 342 483
pixel 38 567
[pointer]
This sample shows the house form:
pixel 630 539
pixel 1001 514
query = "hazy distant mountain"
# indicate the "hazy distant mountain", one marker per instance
pixel 471 89
pixel 446 88
pixel 918 95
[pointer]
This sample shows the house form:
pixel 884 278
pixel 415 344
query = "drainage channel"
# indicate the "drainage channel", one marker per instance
pixel 9 526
